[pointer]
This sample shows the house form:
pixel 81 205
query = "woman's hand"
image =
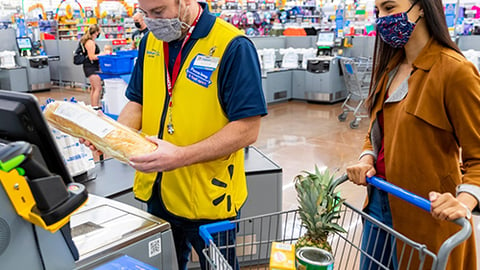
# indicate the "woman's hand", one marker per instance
pixel 364 168
pixel 446 207
pixel 167 157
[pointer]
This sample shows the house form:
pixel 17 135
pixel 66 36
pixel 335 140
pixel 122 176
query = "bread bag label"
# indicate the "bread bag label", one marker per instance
pixel 84 119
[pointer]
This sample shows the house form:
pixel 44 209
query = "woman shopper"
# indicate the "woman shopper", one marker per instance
pixel 424 104
pixel 91 65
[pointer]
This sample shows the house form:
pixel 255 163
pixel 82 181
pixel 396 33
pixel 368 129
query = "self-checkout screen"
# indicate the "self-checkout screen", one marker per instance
pixel 326 39
pixel 24 43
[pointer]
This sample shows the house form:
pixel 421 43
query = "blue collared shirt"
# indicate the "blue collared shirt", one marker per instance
pixel 239 74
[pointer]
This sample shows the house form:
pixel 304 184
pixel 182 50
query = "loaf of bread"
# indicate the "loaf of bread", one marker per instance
pixel 108 136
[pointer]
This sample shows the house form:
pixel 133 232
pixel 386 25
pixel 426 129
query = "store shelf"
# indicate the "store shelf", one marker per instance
pixel 71 23
pixel 66 30
pixel 112 25
pixel 114 30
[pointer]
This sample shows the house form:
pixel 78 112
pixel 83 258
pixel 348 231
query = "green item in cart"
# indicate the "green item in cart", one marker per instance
pixel 312 258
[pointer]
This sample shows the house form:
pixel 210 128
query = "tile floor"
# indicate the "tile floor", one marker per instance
pixel 297 136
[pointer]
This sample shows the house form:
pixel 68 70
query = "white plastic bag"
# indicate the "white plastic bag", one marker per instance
pixel 78 158
pixel 268 57
pixel 290 58
pixel 114 96
pixel 7 59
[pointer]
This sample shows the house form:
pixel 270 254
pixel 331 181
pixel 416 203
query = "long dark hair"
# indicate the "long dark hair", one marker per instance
pixel 437 27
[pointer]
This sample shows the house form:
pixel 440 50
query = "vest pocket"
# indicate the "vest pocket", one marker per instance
pixel 212 189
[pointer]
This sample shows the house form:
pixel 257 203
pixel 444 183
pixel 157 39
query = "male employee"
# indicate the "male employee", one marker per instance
pixel 196 87
pixel 141 30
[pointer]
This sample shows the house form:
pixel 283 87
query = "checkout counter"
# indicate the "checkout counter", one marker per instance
pixel 30 71
pixel 321 81
pixel 14 79
pixel 36 65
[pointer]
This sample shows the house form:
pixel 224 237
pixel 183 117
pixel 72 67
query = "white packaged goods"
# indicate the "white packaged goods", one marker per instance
pixel 77 156
pixel 7 59
pixel 114 96
pixel 268 57
pixel 290 58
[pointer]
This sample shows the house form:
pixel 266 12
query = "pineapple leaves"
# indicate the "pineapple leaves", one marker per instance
pixel 319 205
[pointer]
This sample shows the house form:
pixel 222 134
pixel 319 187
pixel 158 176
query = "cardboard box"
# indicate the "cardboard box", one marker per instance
pixel 282 256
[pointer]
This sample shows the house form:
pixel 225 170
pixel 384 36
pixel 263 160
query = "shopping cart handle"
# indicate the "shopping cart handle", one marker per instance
pixel 206 231
pixel 450 243
pixel 400 193
pixel 411 198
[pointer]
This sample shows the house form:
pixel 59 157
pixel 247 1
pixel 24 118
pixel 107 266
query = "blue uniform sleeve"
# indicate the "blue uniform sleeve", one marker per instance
pixel 240 81
pixel 134 90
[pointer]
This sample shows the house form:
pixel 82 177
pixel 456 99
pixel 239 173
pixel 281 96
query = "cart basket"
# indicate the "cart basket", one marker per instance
pixel 254 236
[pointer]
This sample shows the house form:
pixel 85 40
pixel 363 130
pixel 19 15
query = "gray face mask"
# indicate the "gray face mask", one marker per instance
pixel 166 29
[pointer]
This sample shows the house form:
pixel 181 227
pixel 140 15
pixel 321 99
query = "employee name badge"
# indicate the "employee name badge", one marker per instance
pixel 201 69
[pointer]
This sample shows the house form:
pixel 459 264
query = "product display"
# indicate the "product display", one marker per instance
pixel 108 136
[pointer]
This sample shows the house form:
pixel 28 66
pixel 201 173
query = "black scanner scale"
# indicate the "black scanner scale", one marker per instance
pixel 53 200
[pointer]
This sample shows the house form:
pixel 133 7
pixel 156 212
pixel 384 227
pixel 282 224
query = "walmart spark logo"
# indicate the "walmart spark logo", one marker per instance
pixel 222 184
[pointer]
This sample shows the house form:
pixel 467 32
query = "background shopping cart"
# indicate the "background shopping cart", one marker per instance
pixel 286 227
pixel 356 73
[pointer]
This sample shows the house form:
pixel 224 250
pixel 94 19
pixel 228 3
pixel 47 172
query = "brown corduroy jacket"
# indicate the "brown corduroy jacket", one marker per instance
pixel 422 136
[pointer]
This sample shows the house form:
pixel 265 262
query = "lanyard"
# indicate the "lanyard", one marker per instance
pixel 176 68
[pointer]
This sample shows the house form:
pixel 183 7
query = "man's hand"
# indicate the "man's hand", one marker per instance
pixel 91 146
pixel 167 157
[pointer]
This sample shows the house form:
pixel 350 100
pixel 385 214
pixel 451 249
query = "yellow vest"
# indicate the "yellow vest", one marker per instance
pixel 210 190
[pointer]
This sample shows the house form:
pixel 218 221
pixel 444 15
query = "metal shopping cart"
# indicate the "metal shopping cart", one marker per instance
pixel 356 73
pixel 256 234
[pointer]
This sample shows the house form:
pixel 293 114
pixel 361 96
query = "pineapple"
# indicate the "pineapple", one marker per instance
pixel 319 208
